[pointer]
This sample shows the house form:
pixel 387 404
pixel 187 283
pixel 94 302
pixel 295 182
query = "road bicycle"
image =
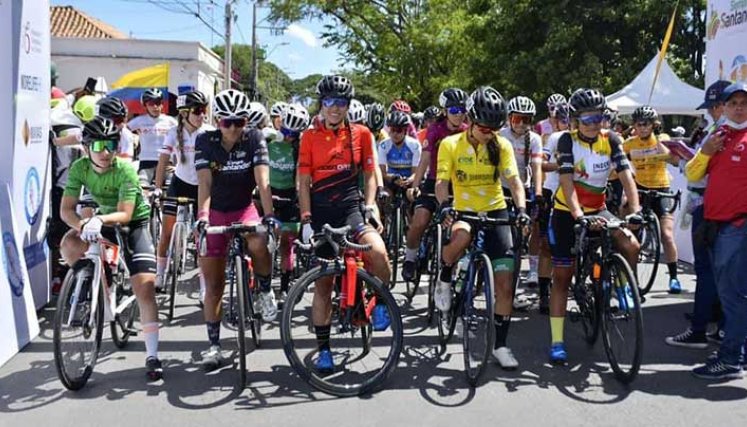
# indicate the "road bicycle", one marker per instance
pixel 395 231
pixel 176 257
pixel 649 236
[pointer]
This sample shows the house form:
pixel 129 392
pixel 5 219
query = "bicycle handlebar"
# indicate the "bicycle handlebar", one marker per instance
pixel 482 219
pixel 337 237
pixel 178 200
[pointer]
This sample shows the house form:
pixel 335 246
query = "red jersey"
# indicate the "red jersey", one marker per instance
pixel 725 198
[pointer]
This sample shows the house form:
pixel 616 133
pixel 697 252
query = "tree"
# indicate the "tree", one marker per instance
pixel 273 84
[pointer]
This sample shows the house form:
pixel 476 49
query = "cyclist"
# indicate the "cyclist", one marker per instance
pixel 549 125
pixel 283 163
pixel 450 122
pixel 375 120
pixel 403 106
pixel 473 161
pixel 230 163
pixel 550 172
pixel 114 185
pixel 114 109
pixel 585 157
pixel 430 115
pixel 649 158
pixel 331 156
pixel 152 129
pixel 527 147
pixel 180 145
pixel 356 112
pixel 276 114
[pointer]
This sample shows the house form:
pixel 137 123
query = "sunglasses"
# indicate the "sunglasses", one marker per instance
pixel 100 145
pixel 339 102
pixel 644 124
pixel 398 129
pixel 591 120
pixel 456 110
pixel 520 120
pixel 198 111
pixel 289 133
pixel 485 129
pixel 227 123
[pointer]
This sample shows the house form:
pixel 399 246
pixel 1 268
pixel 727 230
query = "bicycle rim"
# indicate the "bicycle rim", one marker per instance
pixel 478 333
pixel 649 256
pixel 173 267
pixel 124 321
pixel 76 345
pixel 433 272
pixel 587 296
pixel 395 244
pixel 254 318
pixel 363 358
pixel 622 320
pixel 518 241
pixel 240 301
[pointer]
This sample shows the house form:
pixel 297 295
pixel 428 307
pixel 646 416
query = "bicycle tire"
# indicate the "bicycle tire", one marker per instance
pixel 434 272
pixel 618 268
pixel 256 318
pixel 241 298
pixel 649 255
pixel 155 223
pixel 71 379
pixel 587 295
pixel 472 316
pixel 412 286
pixel 173 267
pixel 123 323
pixel 518 241
pixel 291 344
pixel 395 240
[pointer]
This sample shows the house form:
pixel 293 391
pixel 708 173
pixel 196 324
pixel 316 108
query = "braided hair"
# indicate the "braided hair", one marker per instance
pixel 180 119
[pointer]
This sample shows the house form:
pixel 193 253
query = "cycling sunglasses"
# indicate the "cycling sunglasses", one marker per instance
pixel 153 104
pixel 105 144
pixel 456 110
pixel 398 129
pixel 591 120
pixel 228 123
pixel 197 111
pixel 517 119
pixel 340 102
pixel 485 129
pixel 289 133
pixel 645 123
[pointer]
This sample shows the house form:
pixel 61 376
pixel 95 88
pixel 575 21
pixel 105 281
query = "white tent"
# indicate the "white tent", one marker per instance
pixel 671 95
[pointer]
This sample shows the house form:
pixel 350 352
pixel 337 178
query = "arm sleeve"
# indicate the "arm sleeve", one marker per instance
pixel 695 169
pixel 202 156
pixel 367 155
pixel 617 155
pixel 382 152
pixel 169 143
pixel 416 151
pixel 445 162
pixel 564 154
pixel 74 180
pixel 130 185
pixel 430 137
pixel 507 166
pixel 304 154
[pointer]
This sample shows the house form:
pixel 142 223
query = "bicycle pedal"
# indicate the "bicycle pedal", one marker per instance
pixel 131 332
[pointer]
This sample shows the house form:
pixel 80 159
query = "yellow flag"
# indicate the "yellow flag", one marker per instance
pixel 663 50
pixel 155 76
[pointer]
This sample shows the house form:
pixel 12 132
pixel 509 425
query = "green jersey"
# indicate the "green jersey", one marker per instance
pixel 119 184
pixel 282 166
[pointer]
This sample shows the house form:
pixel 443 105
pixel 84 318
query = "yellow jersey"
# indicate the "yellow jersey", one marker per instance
pixel 649 172
pixel 476 186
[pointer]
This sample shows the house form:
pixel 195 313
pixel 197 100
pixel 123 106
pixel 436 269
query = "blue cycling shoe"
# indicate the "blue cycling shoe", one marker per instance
pixel 674 286
pixel 558 355
pixel 380 318
pixel 325 364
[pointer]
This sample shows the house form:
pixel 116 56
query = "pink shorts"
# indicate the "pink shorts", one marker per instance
pixel 217 244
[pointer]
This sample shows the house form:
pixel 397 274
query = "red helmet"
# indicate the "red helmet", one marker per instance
pixel 400 105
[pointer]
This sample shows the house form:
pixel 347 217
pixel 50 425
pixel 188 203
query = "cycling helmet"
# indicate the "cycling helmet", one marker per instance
pixel 521 105
pixel 335 86
pixel 375 117
pixel 400 105
pixel 153 94
pixel 356 112
pixel 452 97
pixel 100 128
pixel 584 100
pixel 431 112
pixel 295 118
pixel 85 108
pixel 397 119
pixel 486 107
pixel 554 100
pixel 257 114
pixel 230 104
pixel 277 109
pixel 191 100
pixel 645 113
pixel 112 107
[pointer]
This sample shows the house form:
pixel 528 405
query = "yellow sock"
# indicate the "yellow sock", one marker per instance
pixel 556 329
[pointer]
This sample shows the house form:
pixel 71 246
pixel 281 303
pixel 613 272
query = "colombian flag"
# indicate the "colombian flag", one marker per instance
pixel 130 86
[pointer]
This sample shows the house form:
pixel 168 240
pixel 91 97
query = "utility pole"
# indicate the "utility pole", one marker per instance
pixel 227 65
pixel 255 66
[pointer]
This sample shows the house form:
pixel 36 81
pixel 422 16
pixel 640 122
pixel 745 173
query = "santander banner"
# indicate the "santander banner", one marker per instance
pixel 726 41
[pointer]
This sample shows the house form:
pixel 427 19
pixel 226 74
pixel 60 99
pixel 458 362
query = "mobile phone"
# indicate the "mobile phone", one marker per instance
pixel 90 86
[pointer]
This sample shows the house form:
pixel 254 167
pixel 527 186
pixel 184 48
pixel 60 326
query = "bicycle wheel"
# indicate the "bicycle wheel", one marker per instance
pixel 622 320
pixel 587 295
pixel 363 358
pixel 173 267
pixel 518 241
pixel 434 270
pixel 477 319
pixel 413 285
pixel 254 318
pixel 77 334
pixel 650 254
pixel 155 223
pixel 238 277
pixel 394 244
pixel 122 325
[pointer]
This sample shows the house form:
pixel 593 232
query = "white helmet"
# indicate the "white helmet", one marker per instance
pixel 257 114
pixel 356 111
pixel 277 109
pixel 554 100
pixel 521 105
pixel 230 104
pixel 296 118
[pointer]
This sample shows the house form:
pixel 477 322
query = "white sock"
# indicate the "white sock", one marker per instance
pixel 160 265
pixel 411 254
pixel 533 263
pixel 150 336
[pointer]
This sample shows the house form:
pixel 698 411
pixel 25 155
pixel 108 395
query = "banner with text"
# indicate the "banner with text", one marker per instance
pixel 726 41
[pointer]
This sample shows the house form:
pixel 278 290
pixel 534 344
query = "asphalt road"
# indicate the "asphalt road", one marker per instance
pixel 427 388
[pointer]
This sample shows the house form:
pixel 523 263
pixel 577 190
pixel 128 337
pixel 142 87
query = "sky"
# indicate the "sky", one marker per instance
pixel 298 50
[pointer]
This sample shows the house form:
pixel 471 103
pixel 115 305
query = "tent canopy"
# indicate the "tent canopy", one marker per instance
pixel 671 95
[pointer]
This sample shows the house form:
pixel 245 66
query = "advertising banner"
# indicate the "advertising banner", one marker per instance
pixel 726 40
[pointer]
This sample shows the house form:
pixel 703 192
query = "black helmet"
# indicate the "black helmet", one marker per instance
pixel 112 107
pixel 335 86
pixel 452 97
pixel 397 119
pixel 191 100
pixel 431 112
pixel 100 128
pixel 153 94
pixel 645 113
pixel 584 100
pixel 562 111
pixel 486 107
pixel 375 116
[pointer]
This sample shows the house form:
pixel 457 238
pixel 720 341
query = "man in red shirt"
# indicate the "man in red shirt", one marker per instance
pixel 724 158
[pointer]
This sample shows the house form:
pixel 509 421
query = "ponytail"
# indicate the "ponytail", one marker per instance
pixel 527 146
pixel 493 156
pixel 180 137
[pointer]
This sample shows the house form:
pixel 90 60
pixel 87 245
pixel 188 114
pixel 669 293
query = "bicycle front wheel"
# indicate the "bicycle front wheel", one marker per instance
pixel 363 357
pixel 650 254
pixel 173 267
pixel 239 281
pixel 394 245
pixel 477 319
pixel 622 320
pixel 434 270
pixel 587 295
pixel 122 325
pixel 77 327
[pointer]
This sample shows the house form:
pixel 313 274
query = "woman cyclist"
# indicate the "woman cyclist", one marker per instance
pixel 230 163
pixel 114 109
pixel 113 184
pixel 474 162
pixel 276 114
pixel 152 128
pixel 375 120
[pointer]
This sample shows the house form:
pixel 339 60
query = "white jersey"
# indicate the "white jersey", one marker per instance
pixel 523 163
pixel 402 160
pixel 152 132
pixel 552 179
pixel 185 170
pixel 127 140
